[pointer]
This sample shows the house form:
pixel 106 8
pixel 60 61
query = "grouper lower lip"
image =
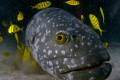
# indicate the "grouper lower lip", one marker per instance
pixel 99 73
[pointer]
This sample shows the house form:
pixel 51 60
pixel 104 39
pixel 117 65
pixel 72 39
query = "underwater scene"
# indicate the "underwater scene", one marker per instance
pixel 59 40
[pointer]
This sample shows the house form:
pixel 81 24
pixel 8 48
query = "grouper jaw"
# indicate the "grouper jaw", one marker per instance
pixel 87 68
pixel 99 73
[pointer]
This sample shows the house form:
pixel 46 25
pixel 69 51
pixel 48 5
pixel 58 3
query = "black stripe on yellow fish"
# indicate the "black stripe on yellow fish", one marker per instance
pixel 65 47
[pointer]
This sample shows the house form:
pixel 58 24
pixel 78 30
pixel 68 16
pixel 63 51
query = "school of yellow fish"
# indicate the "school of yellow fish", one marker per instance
pixel 23 51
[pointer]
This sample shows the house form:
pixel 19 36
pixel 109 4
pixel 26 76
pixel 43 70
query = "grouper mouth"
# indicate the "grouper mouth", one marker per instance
pixel 88 68
pixel 98 71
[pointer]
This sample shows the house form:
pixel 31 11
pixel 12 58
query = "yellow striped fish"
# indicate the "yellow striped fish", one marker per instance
pixel 26 55
pixel 42 5
pixel 6 54
pixel 101 10
pixel 14 28
pixel 72 2
pixel 20 16
pixel 94 21
pixel 105 44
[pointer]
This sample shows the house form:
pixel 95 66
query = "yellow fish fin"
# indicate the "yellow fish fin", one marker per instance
pixel 22 29
pixel 16 37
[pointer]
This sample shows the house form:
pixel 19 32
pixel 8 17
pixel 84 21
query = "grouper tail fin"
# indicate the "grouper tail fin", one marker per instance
pixel 102 31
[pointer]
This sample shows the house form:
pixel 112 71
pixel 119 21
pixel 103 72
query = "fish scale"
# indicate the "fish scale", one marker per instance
pixel 64 57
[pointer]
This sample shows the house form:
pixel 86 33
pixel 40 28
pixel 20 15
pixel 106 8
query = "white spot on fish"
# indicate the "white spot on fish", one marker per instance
pixel 83 37
pixel 88 65
pixel 88 43
pixel 45 43
pixel 50 63
pixel 63 52
pixel 65 59
pixel 47 32
pixel 76 31
pixel 57 62
pixel 71 50
pixel 56 51
pixel 49 52
pixel 48 21
pixel 92 37
pixel 71 66
pixel 53 26
pixel 54 56
pixel 100 46
pixel 92 78
pixel 44 56
pixel 82 62
pixel 82 43
pixel 82 58
pixel 96 46
pixel 70 76
pixel 43 38
pixel 90 71
pixel 44 50
pixel 47 47
pixel 76 45
pixel 77 26
pixel 72 61
pixel 70 29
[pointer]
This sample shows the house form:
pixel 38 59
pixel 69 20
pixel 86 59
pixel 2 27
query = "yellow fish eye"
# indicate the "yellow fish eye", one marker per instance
pixel 60 38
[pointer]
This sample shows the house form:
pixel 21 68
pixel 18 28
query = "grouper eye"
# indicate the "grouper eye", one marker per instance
pixel 60 38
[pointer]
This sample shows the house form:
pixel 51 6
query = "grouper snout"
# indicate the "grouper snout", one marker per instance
pixel 65 47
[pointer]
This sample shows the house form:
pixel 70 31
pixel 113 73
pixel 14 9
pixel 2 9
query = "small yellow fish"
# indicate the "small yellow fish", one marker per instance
pixel 105 44
pixel 14 28
pixel 20 49
pixel 1 38
pixel 72 2
pixel 20 16
pixel 94 21
pixel 42 5
pixel 6 54
pixel 4 23
pixel 101 10
pixel 34 64
pixel 16 37
pixel 26 55
pixel 82 18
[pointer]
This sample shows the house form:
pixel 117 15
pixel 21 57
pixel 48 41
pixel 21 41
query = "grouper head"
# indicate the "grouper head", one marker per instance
pixel 65 47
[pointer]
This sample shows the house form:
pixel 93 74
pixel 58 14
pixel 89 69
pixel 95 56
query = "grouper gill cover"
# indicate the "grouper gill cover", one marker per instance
pixel 65 47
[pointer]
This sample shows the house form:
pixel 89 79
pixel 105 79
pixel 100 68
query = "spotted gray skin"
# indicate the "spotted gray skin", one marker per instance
pixel 63 61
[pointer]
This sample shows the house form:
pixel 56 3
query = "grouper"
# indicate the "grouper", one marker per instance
pixel 65 47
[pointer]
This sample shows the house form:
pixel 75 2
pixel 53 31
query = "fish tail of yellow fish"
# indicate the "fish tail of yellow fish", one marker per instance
pixel 22 29
pixel 33 7
pixel 102 31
